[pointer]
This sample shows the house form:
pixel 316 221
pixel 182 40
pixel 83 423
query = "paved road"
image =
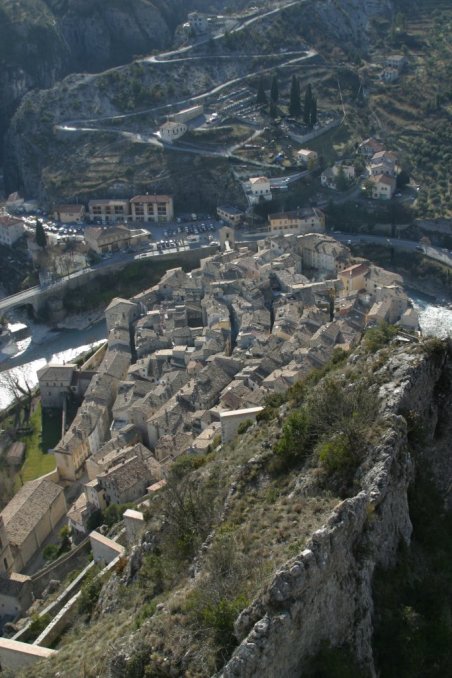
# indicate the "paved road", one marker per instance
pixel 27 296
pixel 444 256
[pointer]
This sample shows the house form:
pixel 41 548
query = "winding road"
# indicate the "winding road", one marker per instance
pixel 91 125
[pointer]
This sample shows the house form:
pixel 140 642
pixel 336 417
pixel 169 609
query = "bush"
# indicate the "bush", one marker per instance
pixel 187 463
pixel 38 624
pixel 145 612
pixel 51 552
pixel 189 508
pixel 89 593
pixel 244 426
pixel 296 441
pixel 335 455
pixel 377 337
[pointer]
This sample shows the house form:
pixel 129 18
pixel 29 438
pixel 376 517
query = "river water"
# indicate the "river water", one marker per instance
pixel 46 346
pixel 65 345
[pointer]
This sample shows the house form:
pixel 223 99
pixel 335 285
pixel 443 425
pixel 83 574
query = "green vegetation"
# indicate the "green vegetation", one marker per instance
pixel 37 460
pixel 310 107
pixel 377 337
pixel 90 592
pixel 334 422
pixel 244 426
pixel 40 235
pixel 53 551
pixel 295 101
pixel 38 624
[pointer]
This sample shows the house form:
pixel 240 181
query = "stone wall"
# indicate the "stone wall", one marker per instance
pixel 74 559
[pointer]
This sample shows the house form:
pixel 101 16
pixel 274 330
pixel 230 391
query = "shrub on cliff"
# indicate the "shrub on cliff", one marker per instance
pixel 335 416
pixel 377 337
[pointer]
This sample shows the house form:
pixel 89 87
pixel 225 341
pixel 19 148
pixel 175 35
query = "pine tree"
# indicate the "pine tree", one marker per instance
pixel 40 235
pixel 261 98
pixel 274 90
pixel 307 105
pixel 295 103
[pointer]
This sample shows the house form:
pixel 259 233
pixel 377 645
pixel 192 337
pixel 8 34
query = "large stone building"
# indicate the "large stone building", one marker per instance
pixel 119 237
pixel 30 517
pixel 156 208
pixel 55 383
pixel 301 221
pixel 109 211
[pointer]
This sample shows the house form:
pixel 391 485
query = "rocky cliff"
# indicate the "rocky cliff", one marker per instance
pixel 325 593
pixel 283 567
pixel 43 40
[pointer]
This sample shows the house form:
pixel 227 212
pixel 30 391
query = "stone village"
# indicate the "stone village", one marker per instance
pixel 186 363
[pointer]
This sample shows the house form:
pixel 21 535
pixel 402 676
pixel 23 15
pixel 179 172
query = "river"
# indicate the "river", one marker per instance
pixel 46 346
pixel 64 345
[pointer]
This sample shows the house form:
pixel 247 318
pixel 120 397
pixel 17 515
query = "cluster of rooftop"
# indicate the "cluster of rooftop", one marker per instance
pixel 191 358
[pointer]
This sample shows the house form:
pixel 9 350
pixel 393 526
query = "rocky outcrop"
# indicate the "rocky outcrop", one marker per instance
pixel 325 593
pixel 41 44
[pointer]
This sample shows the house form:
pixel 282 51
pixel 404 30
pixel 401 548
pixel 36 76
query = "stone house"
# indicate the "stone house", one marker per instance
pixel 121 313
pixel 323 253
pixel 370 146
pixel 119 237
pixel 306 157
pixel 259 189
pixel 170 131
pixel 230 215
pixel 383 187
pixel 69 214
pixel 11 229
pixel 128 480
pixel 55 384
pixel 353 278
pixel 397 61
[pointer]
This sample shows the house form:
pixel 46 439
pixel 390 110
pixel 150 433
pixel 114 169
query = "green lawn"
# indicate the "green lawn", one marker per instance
pixel 46 433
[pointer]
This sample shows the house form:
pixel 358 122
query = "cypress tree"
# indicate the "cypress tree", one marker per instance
pixel 313 115
pixel 40 235
pixel 295 103
pixel 274 90
pixel 307 105
pixel 261 98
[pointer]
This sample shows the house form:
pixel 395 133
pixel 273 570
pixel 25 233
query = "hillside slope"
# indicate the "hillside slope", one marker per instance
pixel 32 158
pixel 43 40
pixel 267 556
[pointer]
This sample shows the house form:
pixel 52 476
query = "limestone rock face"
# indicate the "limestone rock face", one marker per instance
pixel 325 593
pixel 41 43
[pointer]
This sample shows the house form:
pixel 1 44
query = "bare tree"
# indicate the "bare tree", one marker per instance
pixel 16 382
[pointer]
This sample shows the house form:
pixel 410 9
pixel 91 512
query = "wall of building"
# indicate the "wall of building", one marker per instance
pixel 104 549
pixel 230 421
pixel 15 655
